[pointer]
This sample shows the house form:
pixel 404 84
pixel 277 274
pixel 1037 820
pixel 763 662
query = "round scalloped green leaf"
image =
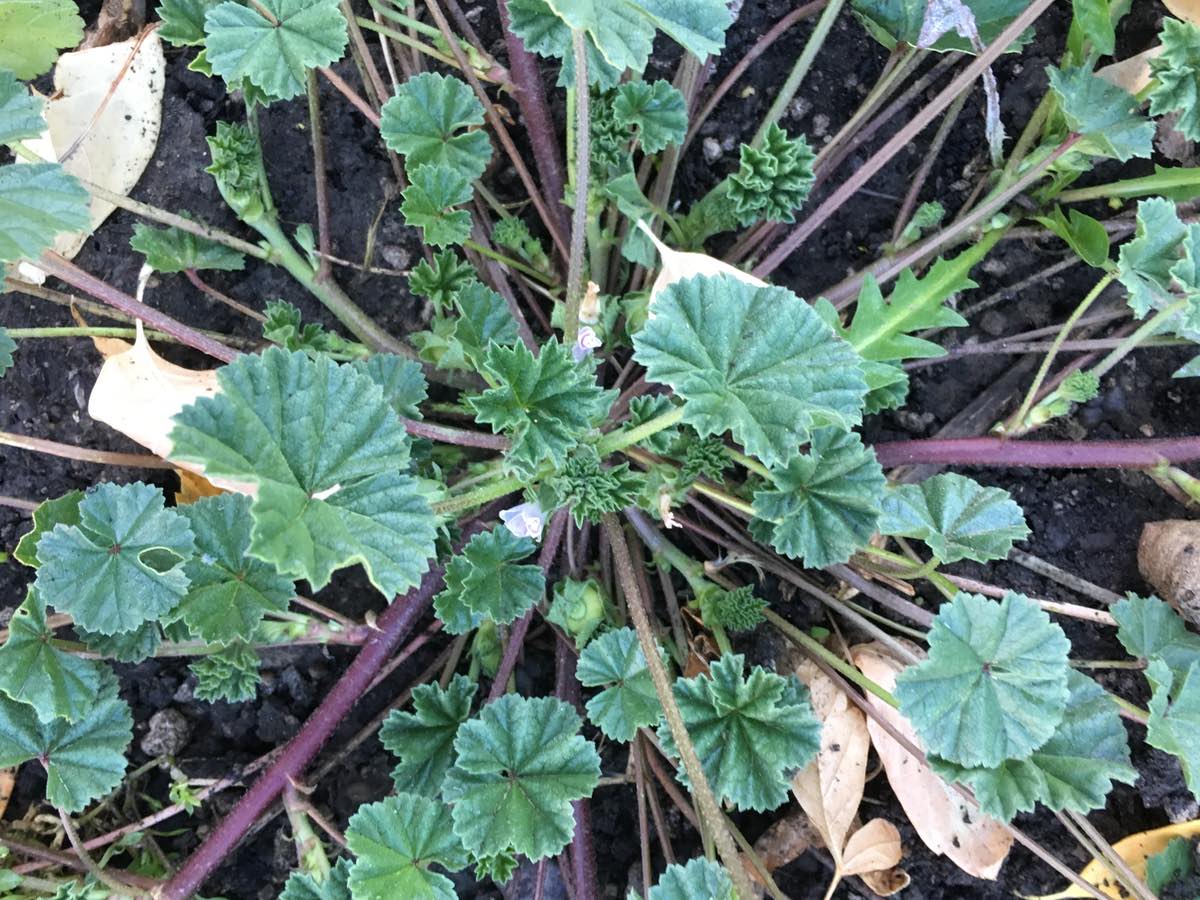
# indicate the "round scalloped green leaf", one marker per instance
pixel 429 203
pixel 326 452
pixel 302 886
pixel 754 361
pixel 431 121
pixel 37 202
pixel 825 504
pixel 424 739
pixel 396 840
pixel 20 111
pixel 84 760
pixel 122 565
pixel 1174 724
pixel 33 31
pixel 183 21
pixel 274 55
pixel 698 878
pixel 995 684
pixel 614 661
pixel 520 764
pixel 64 509
pixel 230 591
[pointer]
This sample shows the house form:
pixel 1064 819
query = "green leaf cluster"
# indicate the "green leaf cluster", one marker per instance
pixel 284 326
pixel 773 180
pixel 229 674
pixel 1106 115
pixel 750 733
pixel 589 488
pixel 736 610
pixel 546 403
pixel 237 168
pixel 430 201
pixel 699 877
pixel 33 31
pixel 484 582
pixel 1161 265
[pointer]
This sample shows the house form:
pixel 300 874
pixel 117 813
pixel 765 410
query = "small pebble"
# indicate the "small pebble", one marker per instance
pixel 712 150
pixel 167 734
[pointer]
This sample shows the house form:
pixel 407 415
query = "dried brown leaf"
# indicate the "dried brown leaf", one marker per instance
pixel 1169 558
pixel 874 847
pixel 678 264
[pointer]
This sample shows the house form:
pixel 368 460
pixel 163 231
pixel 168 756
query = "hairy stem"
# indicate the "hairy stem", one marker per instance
pixel 583 165
pixel 1130 454
pixel 709 811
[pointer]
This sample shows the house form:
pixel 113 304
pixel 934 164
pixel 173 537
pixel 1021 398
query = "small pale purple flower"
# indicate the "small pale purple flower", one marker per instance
pixel 524 520
pixel 585 343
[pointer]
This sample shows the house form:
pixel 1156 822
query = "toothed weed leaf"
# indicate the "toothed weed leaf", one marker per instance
pixel 520 764
pixel 824 504
pixel 1176 71
pixel 483 317
pixel 590 489
pixel 33 31
pixel 544 33
pixel 1148 628
pixel 230 591
pixel 655 109
pixel 956 517
pixel 1161 261
pixel 60 510
pixel 183 21
pixel 429 203
pixel 1174 724
pixel 1106 115
pixel 327 454
pixel 545 403
pixel 698 877
pixel 229 674
pixel 395 841
pixel 33 671
pixel 38 202
pixel 441 279
pixel 614 661
pixel 284 326
pixel 84 759
pixel 171 249
pixel 433 120
pixel 20 111
pixel 122 565
pixel 303 886
pixel 757 362
pixel 750 733
pixel 489 583
pixel 424 738
pixel 994 686
pixel 1073 770
pixel 401 380
pixel 242 43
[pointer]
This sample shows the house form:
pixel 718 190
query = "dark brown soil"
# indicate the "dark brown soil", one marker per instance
pixel 1085 522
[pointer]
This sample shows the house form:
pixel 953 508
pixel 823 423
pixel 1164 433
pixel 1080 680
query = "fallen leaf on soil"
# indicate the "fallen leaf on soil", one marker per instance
pixel 1133 74
pixel 944 820
pixel 193 487
pixel 138 392
pixel 786 840
pixel 678 265
pixel 1169 558
pixel 830 788
pixel 1188 10
pixel 1134 849
pixel 886 882
pixel 112 112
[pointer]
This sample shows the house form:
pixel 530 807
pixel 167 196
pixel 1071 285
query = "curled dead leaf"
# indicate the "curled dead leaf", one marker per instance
pixel 1169 558
pixel 103 120
pixel 1134 850
pixel 874 847
pixel 193 487
pixel 138 392
pixel 885 882
pixel 944 820
pixel 678 264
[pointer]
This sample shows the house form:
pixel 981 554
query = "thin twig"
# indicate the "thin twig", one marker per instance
pixel 320 179
pixel 94 870
pixel 221 297
pixel 83 454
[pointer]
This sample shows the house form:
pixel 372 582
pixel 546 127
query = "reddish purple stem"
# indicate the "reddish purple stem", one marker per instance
pixel 1040 454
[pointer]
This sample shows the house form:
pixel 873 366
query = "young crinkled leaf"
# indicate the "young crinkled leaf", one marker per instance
pixel 274 52
pixel 484 582
pixel 401 380
pixel 327 453
pixel 750 733
pixel 655 109
pixel 122 565
pixel 1177 76
pixel 20 111
pixel 1073 770
pixel 614 661
pixel 38 202
pixel 520 764
pixel 1149 628
pixel 230 674
pixel 699 877
pixel 424 739
pixel 429 201
pixel 1174 724
pixel 824 504
pixel 395 841
pixel 545 403
pixel 590 489
pixel 755 361
pixel 56 684
pixel 33 31
pixel 736 610
pixel 1107 116
pixel 230 591
pixel 995 684
pixel 773 180
pixel 432 120
pixel 302 885
pixel 440 281
pixel 956 517
pixel 84 759
pixel 284 326
pixel 175 250
pixel 183 21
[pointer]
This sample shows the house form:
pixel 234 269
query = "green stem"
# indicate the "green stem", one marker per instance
pixel 409 41
pixel 583 165
pixel 478 497
pixel 627 437
pixel 748 462
pixel 1148 329
pixel 509 261
pixel 816 648
pixel 815 41
pixel 1018 419
pixel 20 334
